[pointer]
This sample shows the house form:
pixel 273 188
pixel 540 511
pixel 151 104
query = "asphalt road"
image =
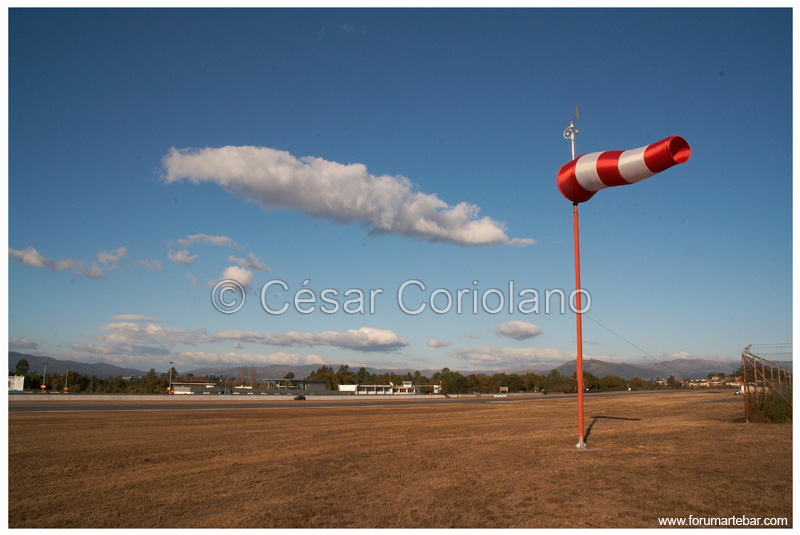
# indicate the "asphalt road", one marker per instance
pixel 64 404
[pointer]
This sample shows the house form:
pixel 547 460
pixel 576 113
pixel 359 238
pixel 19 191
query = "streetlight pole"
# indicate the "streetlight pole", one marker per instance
pixel 66 381
pixel 170 378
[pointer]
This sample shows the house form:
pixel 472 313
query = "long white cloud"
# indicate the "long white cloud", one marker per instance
pixel 512 357
pixel 363 339
pixel 342 192
pixel 201 357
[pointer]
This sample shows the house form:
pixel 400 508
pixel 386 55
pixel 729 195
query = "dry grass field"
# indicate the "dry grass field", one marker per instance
pixel 487 465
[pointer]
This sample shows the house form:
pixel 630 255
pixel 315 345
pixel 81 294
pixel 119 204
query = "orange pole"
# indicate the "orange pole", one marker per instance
pixel 579 359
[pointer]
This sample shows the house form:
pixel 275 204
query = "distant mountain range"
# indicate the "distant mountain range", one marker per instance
pixel 98 369
pixel 680 368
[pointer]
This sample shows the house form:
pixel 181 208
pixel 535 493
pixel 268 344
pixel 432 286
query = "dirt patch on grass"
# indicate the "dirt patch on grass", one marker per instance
pixel 487 465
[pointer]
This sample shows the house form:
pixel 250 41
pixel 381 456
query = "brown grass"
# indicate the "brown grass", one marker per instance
pixel 492 465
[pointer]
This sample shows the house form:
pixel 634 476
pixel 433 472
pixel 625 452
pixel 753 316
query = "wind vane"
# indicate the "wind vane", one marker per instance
pixel 579 179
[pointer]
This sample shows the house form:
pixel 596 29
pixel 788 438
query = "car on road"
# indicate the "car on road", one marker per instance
pixel 300 397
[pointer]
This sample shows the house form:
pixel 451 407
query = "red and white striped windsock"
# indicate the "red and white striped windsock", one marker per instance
pixel 584 176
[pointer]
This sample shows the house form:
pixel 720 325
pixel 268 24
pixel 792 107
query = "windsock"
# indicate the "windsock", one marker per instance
pixel 584 176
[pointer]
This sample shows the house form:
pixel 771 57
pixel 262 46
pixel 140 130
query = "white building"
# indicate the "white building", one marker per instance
pixel 381 390
pixel 16 383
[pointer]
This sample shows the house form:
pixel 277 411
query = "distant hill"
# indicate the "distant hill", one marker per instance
pixel 98 369
pixel 680 368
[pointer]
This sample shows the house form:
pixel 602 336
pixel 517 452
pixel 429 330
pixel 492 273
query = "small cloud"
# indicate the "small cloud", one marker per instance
pixel 238 345
pixel 152 265
pixel 21 343
pixel 134 317
pixel 182 257
pixel 473 336
pixel 251 262
pixel 93 273
pixel 110 260
pixel 238 274
pixel 518 330
pixel 437 343
pixel 219 241
pixel 193 279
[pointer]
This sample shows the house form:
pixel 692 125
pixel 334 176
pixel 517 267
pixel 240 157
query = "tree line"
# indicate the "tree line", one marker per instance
pixel 451 382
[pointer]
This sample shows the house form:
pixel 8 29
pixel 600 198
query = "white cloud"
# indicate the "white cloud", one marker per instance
pixel 363 339
pixel 193 279
pixel 93 273
pixel 201 357
pixel 513 357
pixel 110 260
pixel 251 262
pixel 182 257
pixel 134 317
pixel 220 241
pixel 518 330
pixel 152 265
pixel 33 258
pixel 133 333
pixel 437 343
pixel 240 275
pixel 275 179
pixel 21 343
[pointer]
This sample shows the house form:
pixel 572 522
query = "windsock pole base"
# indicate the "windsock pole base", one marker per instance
pixel 581 445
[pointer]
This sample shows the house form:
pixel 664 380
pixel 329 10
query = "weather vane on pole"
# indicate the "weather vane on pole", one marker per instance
pixel 578 181
pixel 570 132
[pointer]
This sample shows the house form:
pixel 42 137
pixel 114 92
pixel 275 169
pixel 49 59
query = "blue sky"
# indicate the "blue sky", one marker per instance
pixel 153 153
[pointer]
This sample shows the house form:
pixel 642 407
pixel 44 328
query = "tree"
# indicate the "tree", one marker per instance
pixel 555 381
pixel 22 367
pixel 671 381
pixel 591 381
pixel 612 382
pixel 636 384
pixel 289 375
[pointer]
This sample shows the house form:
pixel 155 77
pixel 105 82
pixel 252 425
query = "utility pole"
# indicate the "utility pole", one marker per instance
pixel 569 133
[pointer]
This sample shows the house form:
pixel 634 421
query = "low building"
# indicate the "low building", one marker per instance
pixel 196 388
pixel 16 383
pixel 391 389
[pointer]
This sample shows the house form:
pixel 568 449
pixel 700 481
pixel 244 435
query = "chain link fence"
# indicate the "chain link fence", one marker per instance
pixel 767 382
